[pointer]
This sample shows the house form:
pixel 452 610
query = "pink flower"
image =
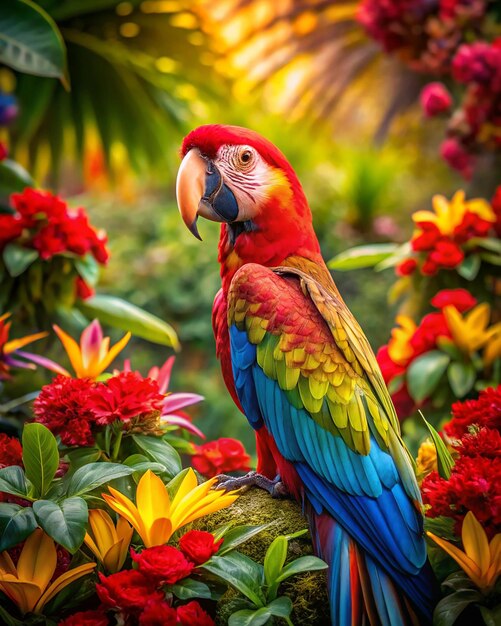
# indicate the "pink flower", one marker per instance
pixel 435 99
pixel 457 157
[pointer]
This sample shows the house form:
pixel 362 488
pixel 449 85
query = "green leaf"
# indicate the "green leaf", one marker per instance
pixel 238 535
pixel 469 267
pixel 425 372
pixel 240 572
pixel 141 463
pixel 82 456
pixel 88 269
pixel 445 462
pixel 13 177
pixel 281 607
pixel 248 617
pixel 93 475
pixel 488 243
pixel 124 315
pixel 13 481
pixel 16 523
pixel 17 259
pixel 40 456
pixel 274 559
pixel 189 588
pixel 450 608
pixel 362 256
pixel 491 617
pixel 302 564
pixel 66 523
pixel 461 377
pixel 449 347
pixel 30 41
pixel 8 620
pixel 160 451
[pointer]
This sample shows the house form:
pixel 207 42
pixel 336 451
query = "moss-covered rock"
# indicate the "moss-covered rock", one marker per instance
pixel 307 591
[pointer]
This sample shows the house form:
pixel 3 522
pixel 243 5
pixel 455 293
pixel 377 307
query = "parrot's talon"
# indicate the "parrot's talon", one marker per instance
pixel 275 488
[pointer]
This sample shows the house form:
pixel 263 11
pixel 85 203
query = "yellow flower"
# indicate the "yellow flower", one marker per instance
pixel 27 585
pixel 399 347
pixel 156 517
pixel 109 544
pixel 471 332
pixel 481 560
pixel 448 215
pixel 426 460
pixel 93 355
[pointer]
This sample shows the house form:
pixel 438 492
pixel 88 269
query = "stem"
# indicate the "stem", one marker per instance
pixel 289 621
pixel 116 445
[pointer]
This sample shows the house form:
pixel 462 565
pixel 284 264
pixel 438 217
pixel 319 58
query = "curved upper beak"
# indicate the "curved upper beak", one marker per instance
pixel 200 190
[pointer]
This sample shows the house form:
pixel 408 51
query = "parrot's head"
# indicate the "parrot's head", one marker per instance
pixel 235 176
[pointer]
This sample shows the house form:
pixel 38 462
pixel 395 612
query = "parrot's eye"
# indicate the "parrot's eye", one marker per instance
pixel 245 156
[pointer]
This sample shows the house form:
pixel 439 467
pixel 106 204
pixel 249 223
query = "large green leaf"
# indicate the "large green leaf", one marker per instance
pixel 469 267
pixel 274 559
pixel 425 372
pixel 93 475
pixel 300 565
pixel 160 451
pixel 40 456
pixel 17 258
pixel 13 481
pixel 461 377
pixel 16 523
pixel 30 40
pixel 121 314
pixel 235 536
pixel 240 572
pixel 450 608
pixel 188 589
pixel 362 256
pixel 249 617
pixel 66 522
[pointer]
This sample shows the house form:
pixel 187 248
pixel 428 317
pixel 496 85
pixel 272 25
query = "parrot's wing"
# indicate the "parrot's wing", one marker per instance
pixel 302 371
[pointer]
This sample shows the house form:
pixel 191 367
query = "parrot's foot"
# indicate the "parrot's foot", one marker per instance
pixel 275 488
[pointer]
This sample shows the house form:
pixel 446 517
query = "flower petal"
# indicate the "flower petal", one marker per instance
pixel 44 362
pixel 72 349
pixel 103 529
pixel 38 559
pixel 61 582
pixel 124 507
pixel 475 542
pixel 114 350
pixel 15 344
pixel 460 557
pixel 189 483
pixel 24 594
pixel 159 532
pixel 152 498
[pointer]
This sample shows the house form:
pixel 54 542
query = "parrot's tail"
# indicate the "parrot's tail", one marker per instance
pixel 361 593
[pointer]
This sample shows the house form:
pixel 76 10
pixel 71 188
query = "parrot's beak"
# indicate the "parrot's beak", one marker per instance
pixel 200 190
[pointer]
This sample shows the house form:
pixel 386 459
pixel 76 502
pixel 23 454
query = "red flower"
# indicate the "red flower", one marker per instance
pixel 484 411
pixel 199 545
pixel 192 614
pixel 435 99
pixel 447 254
pixel 432 327
pixel 128 590
pixel 63 406
pixel 11 452
pixel 83 290
pixel 54 228
pixel 459 298
pixel 125 396
pixel 86 618
pixel 496 207
pixel 474 485
pixel 471 226
pixel 389 369
pixel 222 455
pixel 484 442
pixel 4 153
pixel 429 268
pixel 158 613
pixel 427 238
pixel 163 564
pixel 11 228
pixel 407 267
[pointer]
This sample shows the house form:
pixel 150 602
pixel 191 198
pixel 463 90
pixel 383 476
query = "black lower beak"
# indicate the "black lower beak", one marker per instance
pixel 218 197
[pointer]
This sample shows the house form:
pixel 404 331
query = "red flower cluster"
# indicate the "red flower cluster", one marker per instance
pixel 395 357
pixel 11 452
pixel 124 397
pixel 75 408
pixel 50 227
pixel 474 484
pixel 138 592
pixel 435 99
pixel 485 411
pixel 222 455
pixel 86 618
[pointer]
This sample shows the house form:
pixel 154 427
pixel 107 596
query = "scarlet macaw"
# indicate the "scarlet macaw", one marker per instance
pixel 299 366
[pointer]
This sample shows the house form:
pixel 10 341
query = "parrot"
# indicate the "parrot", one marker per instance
pixel 298 365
